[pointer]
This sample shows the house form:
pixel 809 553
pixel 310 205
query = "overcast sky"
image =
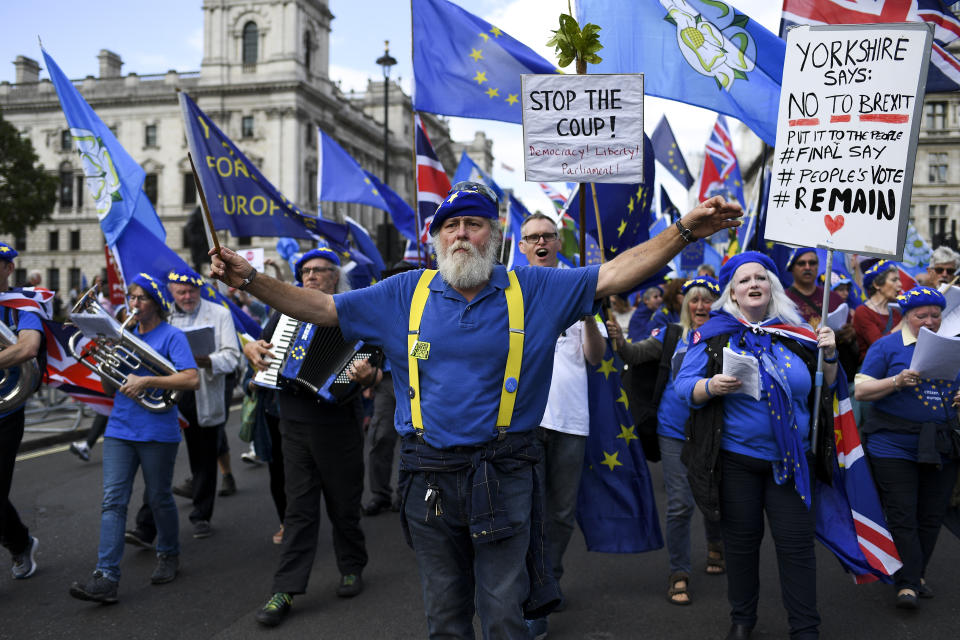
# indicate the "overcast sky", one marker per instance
pixel 155 37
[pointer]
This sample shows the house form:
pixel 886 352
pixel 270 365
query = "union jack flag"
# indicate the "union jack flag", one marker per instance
pixel 36 300
pixel 721 173
pixel 433 185
pixel 558 199
pixel 944 72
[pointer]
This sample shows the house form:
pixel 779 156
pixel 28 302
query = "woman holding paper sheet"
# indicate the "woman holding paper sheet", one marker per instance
pixel 909 440
pixel 668 348
pixel 758 448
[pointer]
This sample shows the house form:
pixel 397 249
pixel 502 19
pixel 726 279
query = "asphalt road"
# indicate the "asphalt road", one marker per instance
pixel 224 579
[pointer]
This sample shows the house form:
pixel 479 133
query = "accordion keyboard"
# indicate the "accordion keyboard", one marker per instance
pixel 281 339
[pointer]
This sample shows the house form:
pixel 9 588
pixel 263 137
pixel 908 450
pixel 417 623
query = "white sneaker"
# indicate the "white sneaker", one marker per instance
pixel 80 449
pixel 250 458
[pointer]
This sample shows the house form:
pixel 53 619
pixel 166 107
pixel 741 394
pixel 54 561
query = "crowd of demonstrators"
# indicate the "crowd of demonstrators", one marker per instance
pixel 473 406
pixel 138 438
pixel 565 424
pixel 668 348
pixel 647 304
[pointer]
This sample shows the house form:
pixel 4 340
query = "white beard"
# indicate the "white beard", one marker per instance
pixel 466 270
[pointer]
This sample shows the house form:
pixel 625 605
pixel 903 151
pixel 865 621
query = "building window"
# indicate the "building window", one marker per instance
pixel 936 115
pixel 73 277
pixel 66 140
pixel 937 219
pixel 311 134
pixel 20 242
pixel 938 167
pixel 53 241
pixel 251 37
pixel 189 190
pixel 150 135
pixel 75 240
pixel 307 50
pixel 312 191
pixel 244 241
pixel 79 192
pixel 19 277
pixel 150 188
pixel 246 127
pixel 66 189
pixel 53 278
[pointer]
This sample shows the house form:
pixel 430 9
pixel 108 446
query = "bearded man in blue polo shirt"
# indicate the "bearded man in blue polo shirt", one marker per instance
pixel 471 349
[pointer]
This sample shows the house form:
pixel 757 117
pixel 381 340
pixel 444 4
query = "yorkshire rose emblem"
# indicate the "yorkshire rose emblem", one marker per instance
pixel 102 179
pixel 713 40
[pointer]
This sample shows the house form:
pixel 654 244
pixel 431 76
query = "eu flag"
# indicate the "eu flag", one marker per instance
pixel 464 66
pixel 138 251
pixel 364 274
pixel 341 179
pixel 702 52
pixel 401 212
pixel 114 179
pixel 668 153
pixel 616 509
pixel 623 209
pixel 516 214
pixel 241 199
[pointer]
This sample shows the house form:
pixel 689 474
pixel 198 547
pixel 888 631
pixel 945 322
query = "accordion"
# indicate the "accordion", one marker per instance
pixel 315 359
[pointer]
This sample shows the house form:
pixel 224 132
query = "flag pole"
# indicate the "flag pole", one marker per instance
pixel 413 140
pixel 818 379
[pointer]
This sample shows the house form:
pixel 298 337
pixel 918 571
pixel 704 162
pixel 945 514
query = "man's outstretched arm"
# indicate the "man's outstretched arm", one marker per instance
pixel 635 265
pixel 307 305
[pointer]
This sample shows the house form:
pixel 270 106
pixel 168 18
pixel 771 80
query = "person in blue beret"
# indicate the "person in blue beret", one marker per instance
pixel 875 319
pixel 138 437
pixel 669 347
pixel 910 440
pixel 26 325
pixel 471 346
pixel 758 465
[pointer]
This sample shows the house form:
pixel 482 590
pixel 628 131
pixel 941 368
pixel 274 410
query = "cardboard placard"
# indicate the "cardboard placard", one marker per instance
pixel 850 113
pixel 583 128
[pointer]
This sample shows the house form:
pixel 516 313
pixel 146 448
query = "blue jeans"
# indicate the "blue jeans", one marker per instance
pixel 453 568
pixel 120 461
pixel 680 507
pixel 559 470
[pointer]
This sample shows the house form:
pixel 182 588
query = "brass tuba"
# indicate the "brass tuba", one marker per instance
pixel 12 395
pixel 114 353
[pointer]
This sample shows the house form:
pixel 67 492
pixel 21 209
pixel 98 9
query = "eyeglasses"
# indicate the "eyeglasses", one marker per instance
pixel 806 263
pixel 133 297
pixel 534 238
pixel 476 187
pixel 944 269
pixel 317 270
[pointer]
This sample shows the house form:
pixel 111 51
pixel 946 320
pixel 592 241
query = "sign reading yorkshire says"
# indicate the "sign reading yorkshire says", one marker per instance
pixel 847 131
pixel 583 128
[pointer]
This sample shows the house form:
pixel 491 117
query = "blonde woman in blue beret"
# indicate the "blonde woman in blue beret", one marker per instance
pixel 910 440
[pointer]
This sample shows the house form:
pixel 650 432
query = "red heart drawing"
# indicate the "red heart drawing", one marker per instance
pixel 833 223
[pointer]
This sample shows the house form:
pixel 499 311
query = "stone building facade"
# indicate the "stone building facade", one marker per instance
pixel 264 79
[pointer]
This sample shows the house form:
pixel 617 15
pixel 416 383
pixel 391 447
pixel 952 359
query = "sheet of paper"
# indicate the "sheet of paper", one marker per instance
pixel 952 294
pixel 936 356
pixel 93 325
pixel 838 317
pixel 746 369
pixel 202 340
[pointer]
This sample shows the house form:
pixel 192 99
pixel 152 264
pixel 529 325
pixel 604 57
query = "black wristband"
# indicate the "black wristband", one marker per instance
pixel 685 233
pixel 246 281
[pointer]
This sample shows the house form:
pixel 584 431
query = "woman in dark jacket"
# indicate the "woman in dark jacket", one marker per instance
pixel 760 456
pixel 908 440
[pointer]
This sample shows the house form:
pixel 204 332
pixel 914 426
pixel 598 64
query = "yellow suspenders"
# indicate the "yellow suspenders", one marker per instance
pixel 417 350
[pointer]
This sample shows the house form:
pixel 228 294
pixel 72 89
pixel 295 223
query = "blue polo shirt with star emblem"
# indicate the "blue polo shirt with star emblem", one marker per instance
pixel 929 401
pixel 460 381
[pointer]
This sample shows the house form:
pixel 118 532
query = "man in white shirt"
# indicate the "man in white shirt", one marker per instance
pixel 566 421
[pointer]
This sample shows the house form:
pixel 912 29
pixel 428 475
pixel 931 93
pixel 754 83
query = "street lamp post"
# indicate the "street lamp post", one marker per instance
pixel 386 61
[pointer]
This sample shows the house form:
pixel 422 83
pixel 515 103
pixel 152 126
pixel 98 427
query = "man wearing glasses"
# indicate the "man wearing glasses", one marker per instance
pixel 471 349
pixel 943 266
pixel 565 425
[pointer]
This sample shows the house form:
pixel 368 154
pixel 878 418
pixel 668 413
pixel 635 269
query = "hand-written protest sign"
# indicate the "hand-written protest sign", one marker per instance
pixel 583 128
pixel 847 132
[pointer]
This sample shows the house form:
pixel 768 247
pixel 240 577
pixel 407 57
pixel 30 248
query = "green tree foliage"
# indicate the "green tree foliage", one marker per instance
pixel 27 191
pixel 572 43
